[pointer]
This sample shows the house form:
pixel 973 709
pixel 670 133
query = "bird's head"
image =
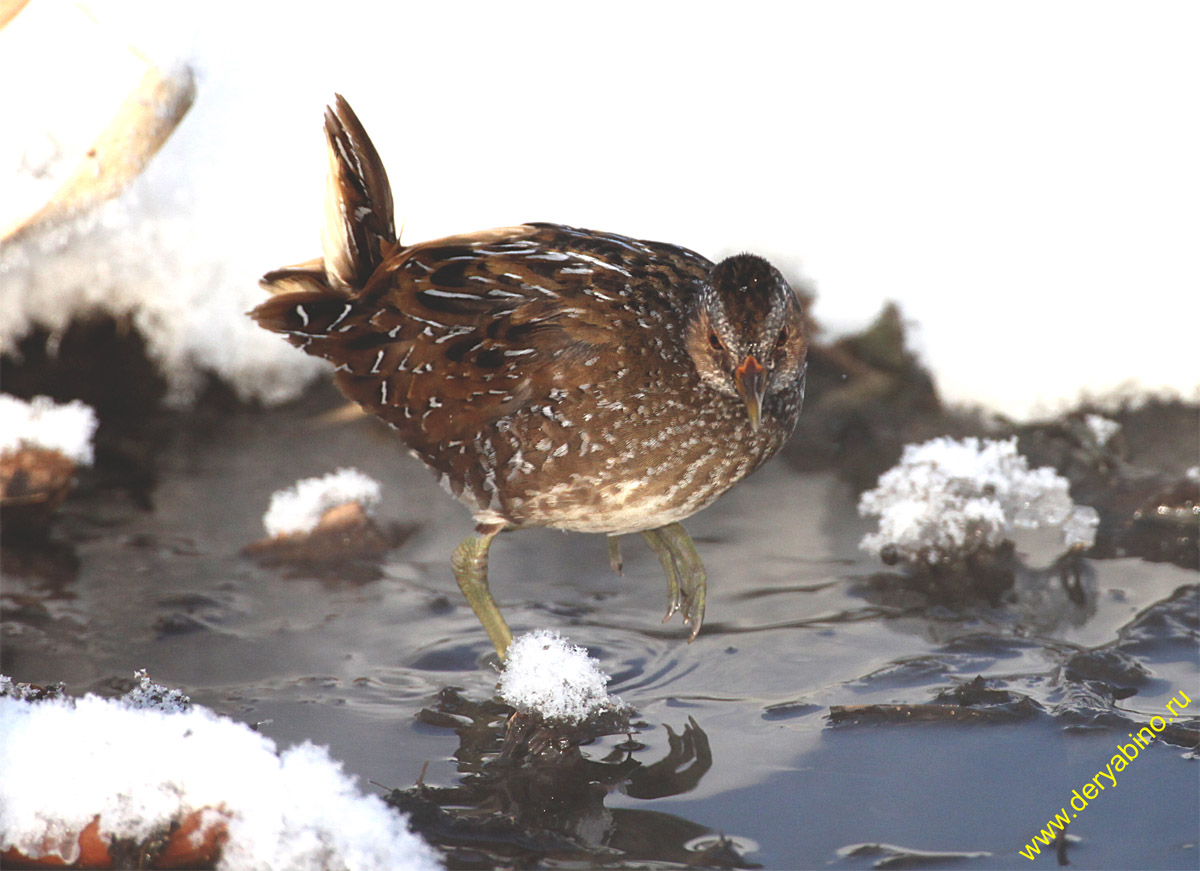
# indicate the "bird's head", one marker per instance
pixel 746 333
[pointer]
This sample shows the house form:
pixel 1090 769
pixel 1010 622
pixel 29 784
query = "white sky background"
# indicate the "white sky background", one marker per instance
pixel 1021 177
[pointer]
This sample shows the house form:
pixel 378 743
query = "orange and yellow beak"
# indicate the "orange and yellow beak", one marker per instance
pixel 751 381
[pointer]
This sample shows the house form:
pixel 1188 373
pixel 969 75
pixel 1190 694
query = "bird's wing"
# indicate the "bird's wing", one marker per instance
pixel 452 335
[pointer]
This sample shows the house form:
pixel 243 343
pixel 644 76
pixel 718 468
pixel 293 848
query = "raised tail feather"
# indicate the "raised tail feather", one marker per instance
pixel 314 298
pixel 360 226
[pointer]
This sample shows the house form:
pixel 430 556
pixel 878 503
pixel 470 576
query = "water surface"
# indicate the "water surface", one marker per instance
pixel 798 620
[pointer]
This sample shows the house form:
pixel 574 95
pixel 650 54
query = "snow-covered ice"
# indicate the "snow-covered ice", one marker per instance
pixel 299 508
pixel 43 423
pixel 64 761
pixel 948 499
pixel 547 675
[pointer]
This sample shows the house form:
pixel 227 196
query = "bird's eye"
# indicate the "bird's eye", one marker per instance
pixel 714 342
pixel 783 337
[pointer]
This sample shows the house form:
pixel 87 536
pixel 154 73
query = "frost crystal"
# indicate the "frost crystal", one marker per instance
pixel 545 674
pixel 947 499
pixel 299 508
pixel 28 692
pixel 43 423
pixel 151 696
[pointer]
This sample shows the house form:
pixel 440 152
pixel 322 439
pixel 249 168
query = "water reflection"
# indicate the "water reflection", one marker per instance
pixel 530 794
pixel 347 547
pixel 1028 601
pixel 45 567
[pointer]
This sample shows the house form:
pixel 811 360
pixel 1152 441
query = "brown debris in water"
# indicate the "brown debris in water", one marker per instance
pixel 29 692
pixel 193 841
pixel 345 538
pixel 34 482
pixel 866 715
pixel 1137 479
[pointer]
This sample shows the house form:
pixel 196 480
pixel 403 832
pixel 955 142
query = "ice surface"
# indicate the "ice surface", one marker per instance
pixel 947 499
pixel 64 761
pixel 43 423
pixel 547 675
pixel 299 508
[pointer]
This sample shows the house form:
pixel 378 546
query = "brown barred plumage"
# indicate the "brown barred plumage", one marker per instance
pixel 552 376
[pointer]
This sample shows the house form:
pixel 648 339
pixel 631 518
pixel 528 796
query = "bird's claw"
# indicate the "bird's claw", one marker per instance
pixel 686 578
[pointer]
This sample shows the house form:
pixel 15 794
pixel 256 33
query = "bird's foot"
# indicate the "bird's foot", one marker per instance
pixel 470 564
pixel 686 578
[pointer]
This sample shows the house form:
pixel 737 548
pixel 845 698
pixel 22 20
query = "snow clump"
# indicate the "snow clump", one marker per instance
pixel 947 499
pixel 1101 428
pixel 299 508
pixel 43 423
pixel 547 675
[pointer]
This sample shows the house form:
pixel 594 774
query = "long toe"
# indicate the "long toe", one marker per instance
pixel 686 578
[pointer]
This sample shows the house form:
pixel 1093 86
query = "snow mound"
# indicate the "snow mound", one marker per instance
pixel 64 761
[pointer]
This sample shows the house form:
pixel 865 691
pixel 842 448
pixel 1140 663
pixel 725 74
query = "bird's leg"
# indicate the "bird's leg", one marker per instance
pixel 470 564
pixel 614 554
pixel 686 578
